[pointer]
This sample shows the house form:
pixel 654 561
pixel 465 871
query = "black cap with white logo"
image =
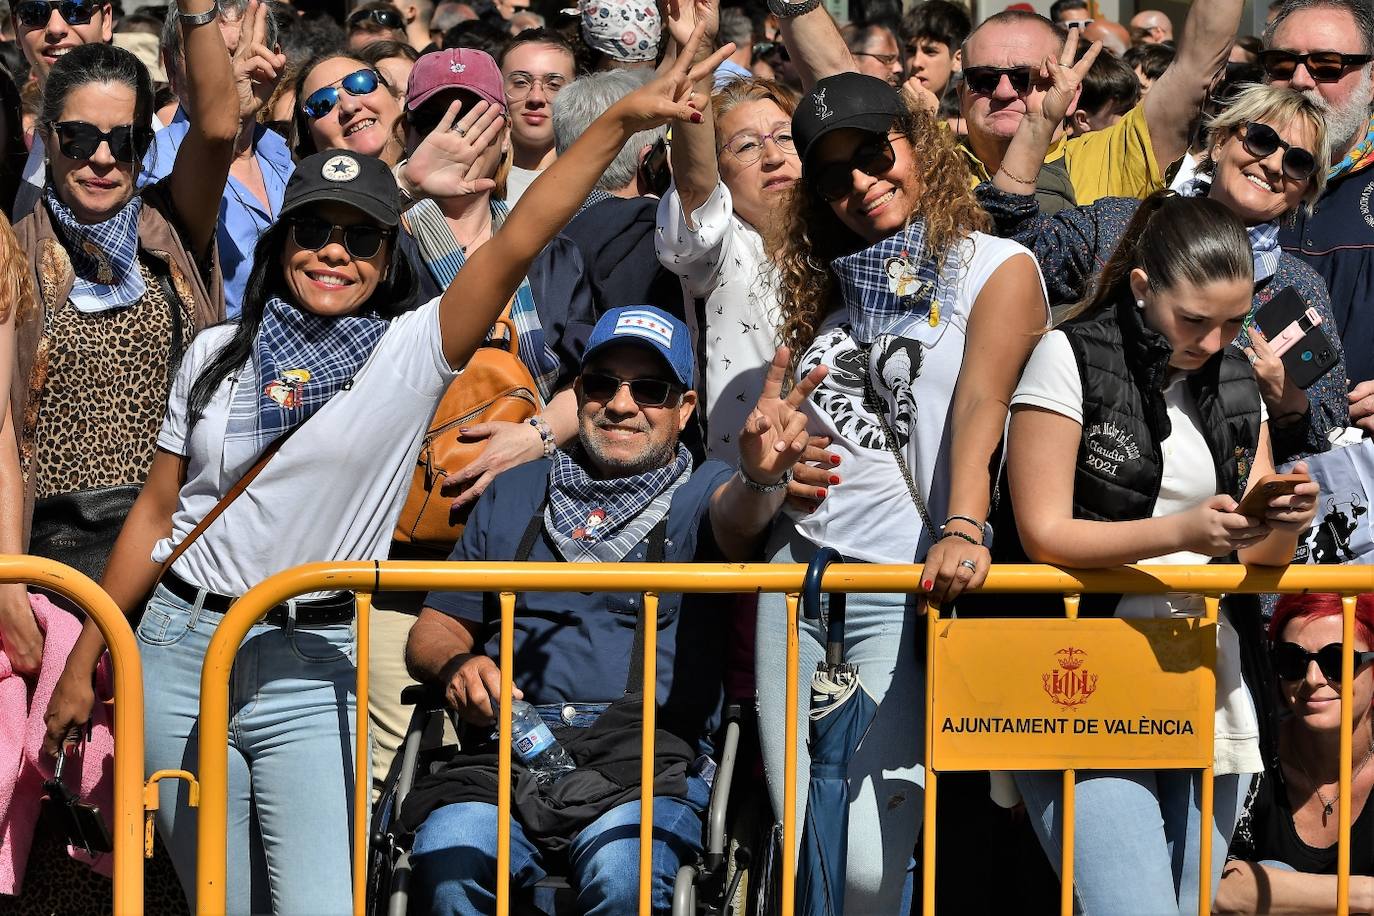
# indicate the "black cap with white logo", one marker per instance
pixel 362 182
pixel 850 100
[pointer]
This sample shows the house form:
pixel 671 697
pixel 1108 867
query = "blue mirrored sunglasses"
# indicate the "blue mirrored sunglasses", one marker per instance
pixel 322 101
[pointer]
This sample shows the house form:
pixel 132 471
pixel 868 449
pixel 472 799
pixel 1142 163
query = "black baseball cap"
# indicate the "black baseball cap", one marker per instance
pixel 850 100
pixel 362 182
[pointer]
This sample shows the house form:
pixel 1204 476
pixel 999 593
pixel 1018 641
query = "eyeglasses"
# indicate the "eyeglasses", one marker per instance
pixel 887 60
pixel 748 148
pixel 1262 140
pixel 647 392
pixel 387 19
pixel 79 140
pixel 1324 66
pixel 1291 661
pixel 873 156
pixel 322 101
pixel 520 84
pixel 360 240
pixel 34 14
pixel 985 80
pixel 763 50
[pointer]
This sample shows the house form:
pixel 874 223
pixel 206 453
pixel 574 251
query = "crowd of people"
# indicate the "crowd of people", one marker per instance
pixel 670 283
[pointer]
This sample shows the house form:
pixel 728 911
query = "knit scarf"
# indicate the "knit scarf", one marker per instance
pixel 1264 237
pixel 300 360
pixel 886 282
pixel 600 520
pixel 1359 157
pixel 104 255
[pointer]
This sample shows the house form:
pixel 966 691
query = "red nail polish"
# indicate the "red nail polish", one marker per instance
pixel 834 459
pixel 820 493
pixel 696 117
pixel 834 480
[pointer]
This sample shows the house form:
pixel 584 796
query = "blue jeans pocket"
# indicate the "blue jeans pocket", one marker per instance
pixel 324 645
pixel 163 623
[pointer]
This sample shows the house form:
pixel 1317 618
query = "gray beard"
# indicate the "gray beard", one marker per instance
pixel 1349 122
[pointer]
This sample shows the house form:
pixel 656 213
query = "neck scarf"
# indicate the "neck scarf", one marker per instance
pixel 1264 238
pixel 444 257
pixel 300 360
pixel 104 256
pixel 594 520
pixel 1359 157
pixel 887 282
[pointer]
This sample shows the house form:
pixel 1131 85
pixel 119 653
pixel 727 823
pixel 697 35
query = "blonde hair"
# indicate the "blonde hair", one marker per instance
pixel 16 277
pixel 1273 106
pixel 813 235
pixel 736 92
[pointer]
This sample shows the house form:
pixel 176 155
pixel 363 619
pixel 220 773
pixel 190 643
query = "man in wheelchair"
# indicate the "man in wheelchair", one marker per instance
pixel 624 490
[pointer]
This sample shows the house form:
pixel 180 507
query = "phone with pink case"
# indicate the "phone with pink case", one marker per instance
pixel 1296 333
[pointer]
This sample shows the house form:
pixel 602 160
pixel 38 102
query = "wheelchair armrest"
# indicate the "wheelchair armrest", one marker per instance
pixel 714 852
pixel 423 695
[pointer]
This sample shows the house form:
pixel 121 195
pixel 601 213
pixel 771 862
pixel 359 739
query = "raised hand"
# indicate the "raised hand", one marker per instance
pixel 1067 78
pixel 774 437
pixel 257 68
pixel 683 16
pixel 669 95
pixel 445 164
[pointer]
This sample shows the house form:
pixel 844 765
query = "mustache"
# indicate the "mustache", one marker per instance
pixel 601 421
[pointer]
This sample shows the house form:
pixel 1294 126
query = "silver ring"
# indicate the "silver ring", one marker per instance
pixel 1252 356
pixel 969 565
pixel 460 131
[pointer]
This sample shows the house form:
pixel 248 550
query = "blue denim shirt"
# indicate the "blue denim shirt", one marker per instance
pixel 242 218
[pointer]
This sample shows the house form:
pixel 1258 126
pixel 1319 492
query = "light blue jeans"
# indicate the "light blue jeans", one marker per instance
pixel 291 714
pixel 886 774
pixel 1137 836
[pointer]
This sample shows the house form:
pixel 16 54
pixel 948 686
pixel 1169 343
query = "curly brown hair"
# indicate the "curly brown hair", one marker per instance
pixel 16 277
pixel 813 235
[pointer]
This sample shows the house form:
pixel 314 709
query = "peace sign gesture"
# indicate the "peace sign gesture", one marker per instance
pixel 257 68
pixel 669 96
pixel 774 436
pixel 1067 78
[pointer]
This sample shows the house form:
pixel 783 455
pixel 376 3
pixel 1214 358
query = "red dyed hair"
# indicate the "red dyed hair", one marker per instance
pixel 1323 605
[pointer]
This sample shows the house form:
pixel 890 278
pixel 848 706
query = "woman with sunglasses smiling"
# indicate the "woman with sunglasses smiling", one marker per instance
pixel 345 104
pixel 1283 858
pixel 1262 162
pixel 322 390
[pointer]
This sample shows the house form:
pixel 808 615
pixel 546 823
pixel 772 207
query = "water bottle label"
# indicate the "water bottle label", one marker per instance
pixel 534 742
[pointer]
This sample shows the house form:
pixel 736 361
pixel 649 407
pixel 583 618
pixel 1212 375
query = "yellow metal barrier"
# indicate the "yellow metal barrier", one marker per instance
pixel 655 579
pixel 127 816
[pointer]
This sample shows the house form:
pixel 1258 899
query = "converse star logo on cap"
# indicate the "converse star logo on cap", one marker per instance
pixel 339 168
pixel 457 67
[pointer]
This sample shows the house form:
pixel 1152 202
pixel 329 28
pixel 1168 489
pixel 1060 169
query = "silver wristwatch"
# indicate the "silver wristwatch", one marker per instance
pixel 193 19
pixel 784 10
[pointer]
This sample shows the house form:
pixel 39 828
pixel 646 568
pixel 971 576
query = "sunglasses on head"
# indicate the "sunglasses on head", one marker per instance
pixel 360 240
pixel 35 13
pixel 874 156
pixel 985 80
pixel 387 19
pixel 322 101
pixel 1291 661
pixel 647 392
pixel 1262 140
pixel 79 140
pixel 1324 66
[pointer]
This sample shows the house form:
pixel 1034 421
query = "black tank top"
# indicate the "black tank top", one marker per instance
pixel 1267 832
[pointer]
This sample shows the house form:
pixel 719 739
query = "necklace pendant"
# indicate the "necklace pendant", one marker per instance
pixel 934 318
pixel 1328 808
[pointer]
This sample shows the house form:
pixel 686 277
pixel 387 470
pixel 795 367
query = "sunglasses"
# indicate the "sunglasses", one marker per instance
pixel 1077 23
pixel 1324 66
pixel 763 50
pixel 985 80
pixel 874 156
pixel 647 392
pixel 1291 661
pixel 1262 140
pixel 387 19
pixel 360 240
pixel 322 101
pixel 79 140
pixel 34 14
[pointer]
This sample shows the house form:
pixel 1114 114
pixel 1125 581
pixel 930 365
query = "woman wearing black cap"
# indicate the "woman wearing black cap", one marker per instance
pixel 886 280
pixel 325 386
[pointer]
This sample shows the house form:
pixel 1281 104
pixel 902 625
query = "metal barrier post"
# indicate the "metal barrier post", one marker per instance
pixel 503 752
pixel 362 758
pixel 789 758
pixel 928 828
pixel 1347 754
pixel 649 620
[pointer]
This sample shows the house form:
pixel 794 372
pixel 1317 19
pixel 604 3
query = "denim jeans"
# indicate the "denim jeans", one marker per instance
pixel 454 854
pixel 1137 841
pixel 291 713
pixel 886 773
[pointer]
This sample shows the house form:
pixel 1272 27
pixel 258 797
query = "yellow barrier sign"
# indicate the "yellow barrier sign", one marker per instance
pixel 1085 694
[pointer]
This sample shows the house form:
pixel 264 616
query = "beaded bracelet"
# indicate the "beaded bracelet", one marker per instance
pixel 961 536
pixel 545 434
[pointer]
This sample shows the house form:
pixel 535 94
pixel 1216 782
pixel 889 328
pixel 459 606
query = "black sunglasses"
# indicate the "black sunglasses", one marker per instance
pixel 35 13
pixel 873 156
pixel 647 392
pixel 80 140
pixel 763 50
pixel 1325 66
pixel 1262 140
pixel 387 19
pixel 322 101
pixel 984 80
pixel 360 240
pixel 1291 660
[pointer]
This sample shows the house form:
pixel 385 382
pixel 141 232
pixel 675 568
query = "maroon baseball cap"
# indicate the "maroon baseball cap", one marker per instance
pixel 455 68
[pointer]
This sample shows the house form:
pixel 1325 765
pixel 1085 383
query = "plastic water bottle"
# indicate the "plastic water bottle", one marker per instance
pixel 535 745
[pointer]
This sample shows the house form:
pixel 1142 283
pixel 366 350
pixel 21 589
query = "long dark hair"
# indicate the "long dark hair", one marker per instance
pixel 395 294
pixel 1172 239
pixel 302 143
pixel 101 63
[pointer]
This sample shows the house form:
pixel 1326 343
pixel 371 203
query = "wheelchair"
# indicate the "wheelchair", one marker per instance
pixel 712 886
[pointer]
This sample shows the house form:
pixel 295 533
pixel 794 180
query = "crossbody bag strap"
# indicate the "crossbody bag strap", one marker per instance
pixel 875 405
pixel 658 540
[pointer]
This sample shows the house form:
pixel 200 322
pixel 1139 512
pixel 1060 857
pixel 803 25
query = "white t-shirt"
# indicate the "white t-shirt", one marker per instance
pixel 1052 382
pixel 333 492
pixel 722 261
pixel 914 367
pixel 518 182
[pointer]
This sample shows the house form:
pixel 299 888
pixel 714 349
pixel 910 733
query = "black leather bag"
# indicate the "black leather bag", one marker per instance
pixel 80 528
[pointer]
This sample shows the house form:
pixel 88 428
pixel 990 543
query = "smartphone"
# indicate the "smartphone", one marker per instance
pixel 1296 333
pixel 1256 502
pixel 82 825
pixel 654 169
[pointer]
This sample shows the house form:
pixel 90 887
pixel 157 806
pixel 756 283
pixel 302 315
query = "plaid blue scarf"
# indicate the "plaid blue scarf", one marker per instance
pixel 300 361
pixel 1264 238
pixel 104 256
pixel 887 282
pixel 444 257
pixel 593 520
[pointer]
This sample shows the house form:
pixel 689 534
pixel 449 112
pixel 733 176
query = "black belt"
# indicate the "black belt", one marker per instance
pixel 320 612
